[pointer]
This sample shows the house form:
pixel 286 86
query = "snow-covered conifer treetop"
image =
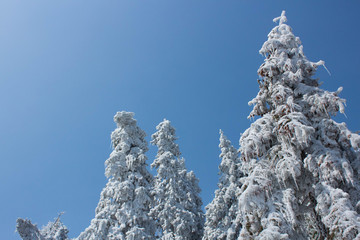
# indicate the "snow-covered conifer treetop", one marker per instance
pixel 52 231
pixel 299 164
pixel 127 136
pixel 124 118
pixel 165 138
pixel 124 206
pixel 27 230
pixel 230 163
pixel 287 65
pixel 221 214
pixel 177 208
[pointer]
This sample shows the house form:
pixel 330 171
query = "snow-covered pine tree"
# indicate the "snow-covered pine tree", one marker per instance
pixel 222 221
pixel 302 167
pixel 55 230
pixel 27 230
pixel 52 231
pixel 177 205
pixel 122 212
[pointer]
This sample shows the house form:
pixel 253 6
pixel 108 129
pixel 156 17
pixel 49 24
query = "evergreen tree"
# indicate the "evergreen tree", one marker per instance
pixel 55 230
pixel 28 230
pixel 52 231
pixel 301 167
pixel 221 214
pixel 122 212
pixel 177 202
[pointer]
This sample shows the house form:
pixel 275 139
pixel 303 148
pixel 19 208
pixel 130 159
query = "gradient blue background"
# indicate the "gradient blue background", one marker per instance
pixel 67 66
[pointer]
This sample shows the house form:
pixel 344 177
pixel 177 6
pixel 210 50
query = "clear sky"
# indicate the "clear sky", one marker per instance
pixel 67 66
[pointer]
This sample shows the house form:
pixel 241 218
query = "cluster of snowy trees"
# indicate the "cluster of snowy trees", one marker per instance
pixel 135 205
pixel 295 176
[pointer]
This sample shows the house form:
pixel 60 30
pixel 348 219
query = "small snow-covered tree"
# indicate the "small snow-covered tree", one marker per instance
pixel 52 231
pixel 177 205
pixel 301 167
pixel 55 230
pixel 222 221
pixel 28 230
pixel 123 210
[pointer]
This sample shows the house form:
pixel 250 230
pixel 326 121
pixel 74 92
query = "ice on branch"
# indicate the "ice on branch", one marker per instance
pixel 282 19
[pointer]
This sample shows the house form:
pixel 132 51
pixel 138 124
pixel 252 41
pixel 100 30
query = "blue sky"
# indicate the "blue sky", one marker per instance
pixel 66 67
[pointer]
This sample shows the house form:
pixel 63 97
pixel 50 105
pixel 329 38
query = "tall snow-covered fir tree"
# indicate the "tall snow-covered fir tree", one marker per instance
pixel 177 205
pixel 301 167
pixel 221 214
pixel 123 210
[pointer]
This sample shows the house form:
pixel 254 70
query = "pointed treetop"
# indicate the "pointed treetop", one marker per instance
pixel 224 141
pixel 228 154
pixel 165 138
pixel 124 118
pixel 282 19
pixel 221 133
